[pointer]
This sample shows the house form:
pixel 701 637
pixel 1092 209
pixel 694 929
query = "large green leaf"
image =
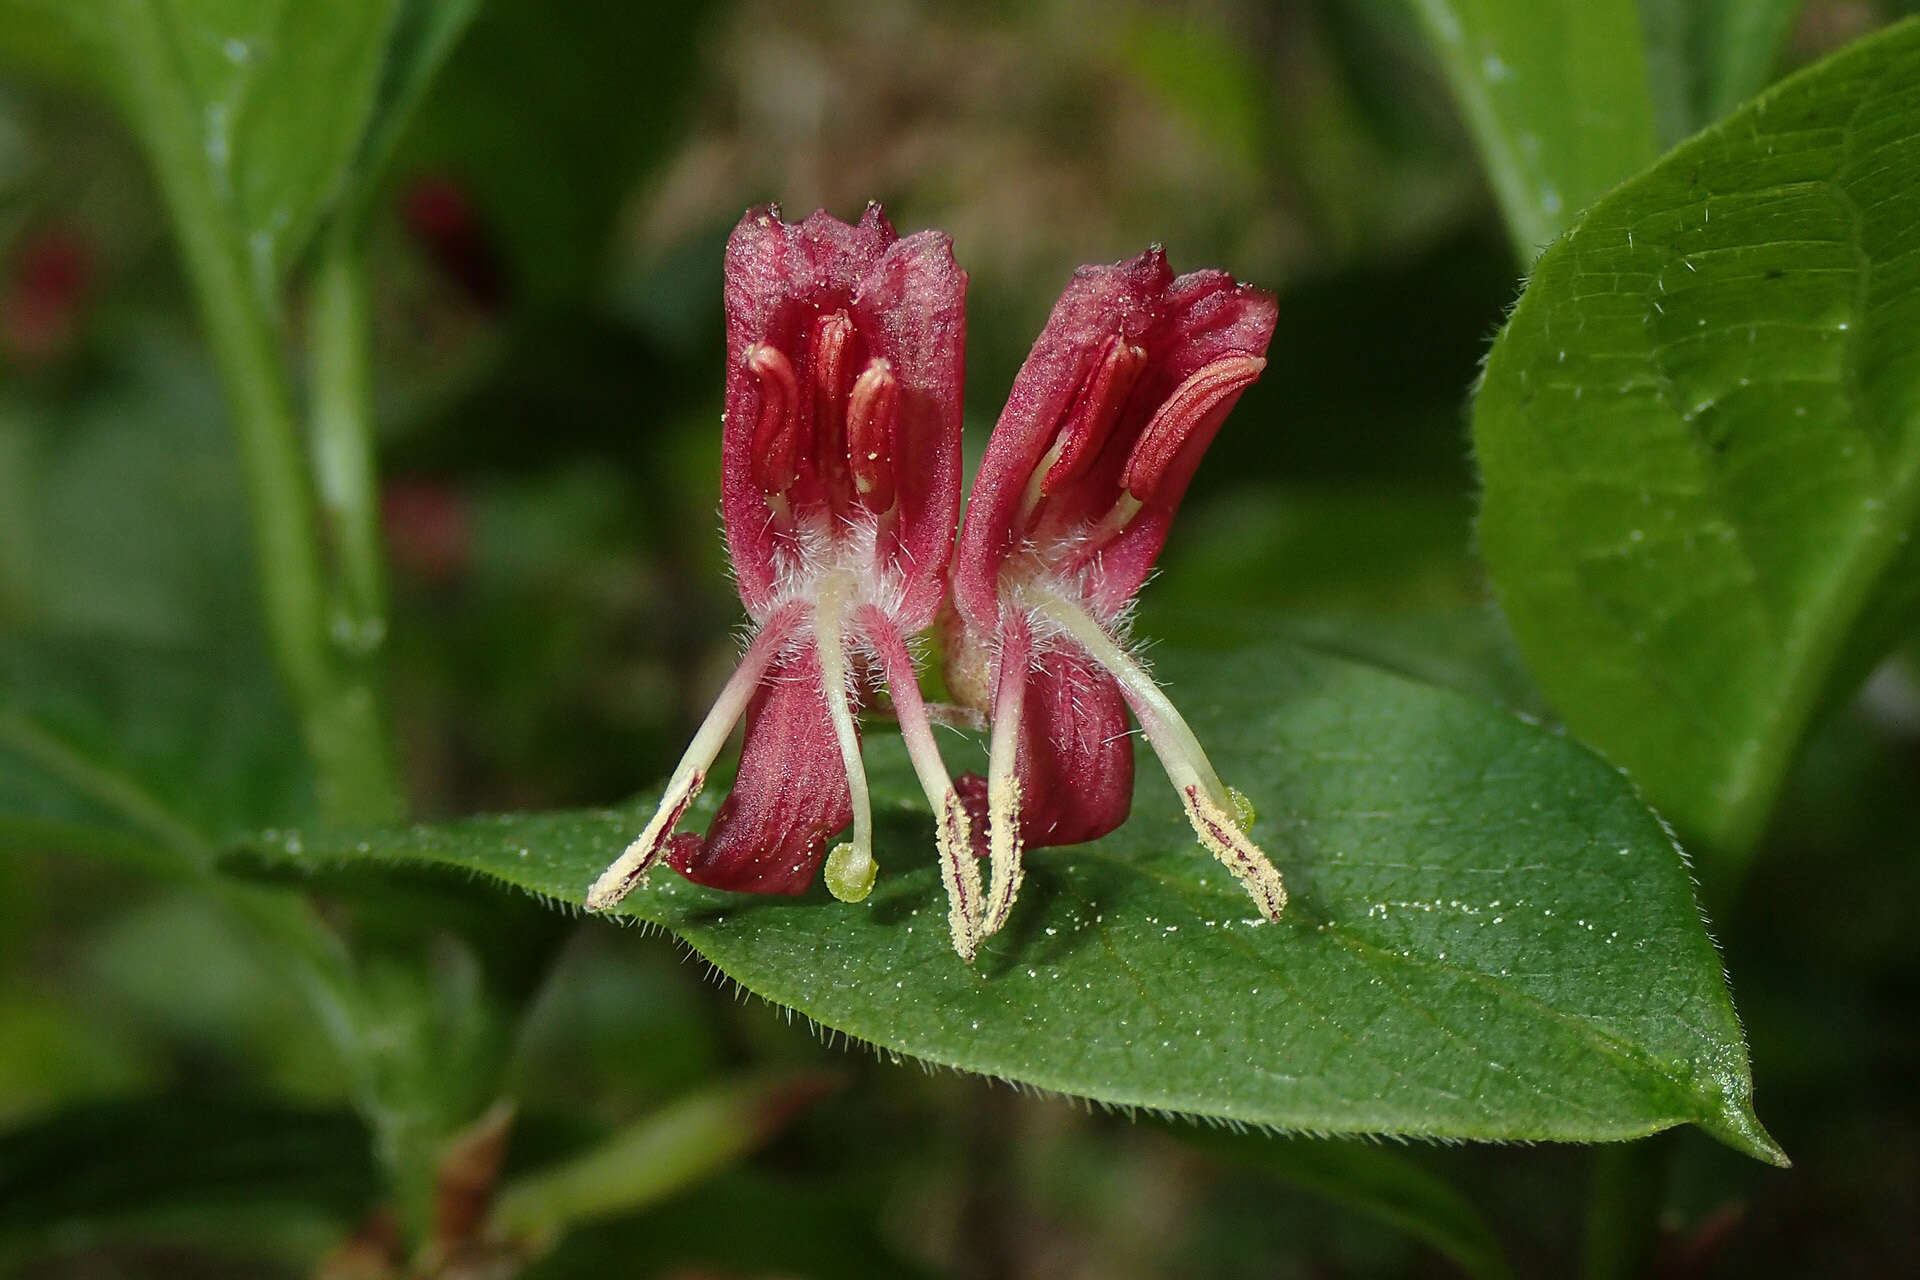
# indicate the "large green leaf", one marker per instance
pixel 1490 936
pixel 1556 94
pixel 1700 440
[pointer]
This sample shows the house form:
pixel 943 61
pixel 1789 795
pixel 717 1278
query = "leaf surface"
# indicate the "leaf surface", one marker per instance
pixel 1490 936
pixel 1699 437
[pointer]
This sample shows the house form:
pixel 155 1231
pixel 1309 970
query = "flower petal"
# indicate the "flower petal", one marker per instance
pixel 834 300
pixel 912 309
pixel 791 793
pixel 1180 327
pixel 1076 752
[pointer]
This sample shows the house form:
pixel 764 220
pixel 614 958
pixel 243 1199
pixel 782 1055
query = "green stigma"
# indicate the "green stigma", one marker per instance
pixel 850 872
pixel 1243 811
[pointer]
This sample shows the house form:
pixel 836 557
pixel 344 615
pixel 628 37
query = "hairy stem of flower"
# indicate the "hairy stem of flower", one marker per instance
pixel 631 867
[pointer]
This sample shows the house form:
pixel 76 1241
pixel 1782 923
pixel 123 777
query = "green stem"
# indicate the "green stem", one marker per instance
pixel 343 462
pixel 1623 1208
pixel 339 712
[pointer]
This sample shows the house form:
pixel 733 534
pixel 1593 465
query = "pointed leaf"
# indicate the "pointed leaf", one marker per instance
pixel 1490 937
pixel 1699 438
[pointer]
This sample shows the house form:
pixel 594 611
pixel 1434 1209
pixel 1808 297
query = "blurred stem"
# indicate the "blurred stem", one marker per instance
pixel 343 463
pixel 1623 1208
pixel 339 712
pixel 658 1156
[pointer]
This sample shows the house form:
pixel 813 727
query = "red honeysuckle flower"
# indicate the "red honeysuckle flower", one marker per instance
pixel 1106 423
pixel 840 490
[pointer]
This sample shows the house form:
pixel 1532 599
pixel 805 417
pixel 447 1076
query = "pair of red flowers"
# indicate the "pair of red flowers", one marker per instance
pixel 840 492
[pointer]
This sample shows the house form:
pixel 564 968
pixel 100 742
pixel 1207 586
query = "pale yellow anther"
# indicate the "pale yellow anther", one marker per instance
pixel 961 876
pixel 1003 851
pixel 1225 840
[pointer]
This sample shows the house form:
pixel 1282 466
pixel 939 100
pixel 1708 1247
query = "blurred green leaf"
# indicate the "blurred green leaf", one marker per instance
pixel 58 1053
pixel 1386 1184
pixel 1700 440
pixel 266 107
pixel 1490 937
pixel 1706 57
pixel 139 716
pixel 654 1159
pixel 1556 94
pixel 801 1225
pixel 595 91
pixel 90 1164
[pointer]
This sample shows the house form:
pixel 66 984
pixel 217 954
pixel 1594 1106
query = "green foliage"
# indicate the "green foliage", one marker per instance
pixel 1555 92
pixel 1385 1184
pixel 1706 57
pixel 653 1159
pixel 593 102
pixel 1700 440
pixel 257 116
pixel 1699 450
pixel 81 1169
pixel 136 704
pixel 1473 900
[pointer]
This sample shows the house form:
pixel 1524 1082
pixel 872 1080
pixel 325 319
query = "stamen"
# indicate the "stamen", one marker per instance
pixel 776 443
pixel 1090 421
pixel 1003 778
pixel 953 831
pixel 1211 806
pixel 1227 842
pixel 832 342
pixel 872 407
pixel 631 867
pixel 853 860
pixel 1174 422
pixel 1096 411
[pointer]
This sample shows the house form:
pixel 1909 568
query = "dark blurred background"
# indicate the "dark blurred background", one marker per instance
pixel 548 342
